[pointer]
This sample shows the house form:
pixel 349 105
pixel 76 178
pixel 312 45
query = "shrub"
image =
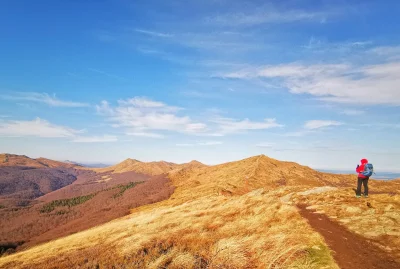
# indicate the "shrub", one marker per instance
pixel 61 212
pixel 49 207
pixel 123 188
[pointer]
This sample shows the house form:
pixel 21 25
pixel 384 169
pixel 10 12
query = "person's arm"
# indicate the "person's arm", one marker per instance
pixel 360 168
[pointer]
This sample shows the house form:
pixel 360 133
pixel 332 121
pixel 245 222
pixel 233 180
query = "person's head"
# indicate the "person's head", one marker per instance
pixel 364 161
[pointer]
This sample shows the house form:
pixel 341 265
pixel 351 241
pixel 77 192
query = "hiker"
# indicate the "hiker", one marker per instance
pixel 364 171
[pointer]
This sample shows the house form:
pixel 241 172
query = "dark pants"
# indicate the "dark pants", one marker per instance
pixel 362 181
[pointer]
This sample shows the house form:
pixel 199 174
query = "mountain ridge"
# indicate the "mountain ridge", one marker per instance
pixel 243 211
pixel 151 168
pixel 7 159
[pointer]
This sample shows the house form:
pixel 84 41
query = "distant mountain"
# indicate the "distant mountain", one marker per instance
pixel 22 160
pixel 20 185
pixel 42 199
pixel 147 168
pixel 90 165
pixel 23 179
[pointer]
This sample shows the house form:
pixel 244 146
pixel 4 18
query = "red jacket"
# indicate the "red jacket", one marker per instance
pixel 360 168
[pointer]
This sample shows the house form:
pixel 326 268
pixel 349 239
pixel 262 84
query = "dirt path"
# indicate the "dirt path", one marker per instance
pixel 350 250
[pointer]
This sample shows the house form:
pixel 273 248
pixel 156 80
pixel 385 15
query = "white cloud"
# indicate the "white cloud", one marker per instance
pixel 152 33
pixel 146 134
pixel 41 98
pixel 390 52
pixel 353 112
pixel 142 102
pixel 382 125
pixel 322 46
pixel 209 143
pixel 37 127
pixel 211 134
pixel 340 83
pixel 299 133
pixel 265 145
pixel 95 139
pixel 316 124
pixel 227 125
pixel 140 115
pixel 267 15
pixel 104 108
pixel 200 143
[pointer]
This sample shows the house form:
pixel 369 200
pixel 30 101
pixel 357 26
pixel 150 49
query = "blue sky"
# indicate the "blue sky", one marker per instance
pixel 316 82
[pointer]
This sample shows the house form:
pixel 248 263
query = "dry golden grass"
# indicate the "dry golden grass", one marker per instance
pixel 239 177
pixel 376 218
pixel 147 168
pixel 226 216
pixel 104 179
pixel 254 230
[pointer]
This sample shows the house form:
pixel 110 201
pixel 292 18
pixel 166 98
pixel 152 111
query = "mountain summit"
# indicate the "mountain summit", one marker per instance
pixel 148 168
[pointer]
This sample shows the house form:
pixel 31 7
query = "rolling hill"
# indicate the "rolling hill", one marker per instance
pixel 27 183
pixel 23 179
pixel 243 214
pixel 40 201
pixel 22 160
pixel 239 177
pixel 147 168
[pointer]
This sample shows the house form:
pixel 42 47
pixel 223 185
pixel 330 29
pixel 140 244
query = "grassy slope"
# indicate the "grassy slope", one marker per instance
pixel 376 218
pixel 211 221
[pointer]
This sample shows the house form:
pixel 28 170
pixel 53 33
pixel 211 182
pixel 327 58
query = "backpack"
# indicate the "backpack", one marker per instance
pixel 368 170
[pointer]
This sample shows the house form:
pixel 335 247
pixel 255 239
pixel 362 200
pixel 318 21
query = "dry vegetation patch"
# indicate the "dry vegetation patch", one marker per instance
pixel 377 218
pixel 225 216
pixel 250 231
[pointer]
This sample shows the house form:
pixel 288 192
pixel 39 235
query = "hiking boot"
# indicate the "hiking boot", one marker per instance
pixel 366 196
pixel 358 196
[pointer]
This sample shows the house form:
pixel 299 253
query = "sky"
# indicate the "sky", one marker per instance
pixel 314 82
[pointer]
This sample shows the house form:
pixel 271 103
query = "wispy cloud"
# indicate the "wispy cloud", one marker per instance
pixel 381 125
pixel 228 125
pixel 44 129
pixel 268 15
pixel 389 52
pixel 146 134
pixel 265 145
pixel 313 126
pixel 45 98
pixel 299 133
pixel 353 112
pixel 322 46
pixel 95 139
pixel 200 143
pixel 317 124
pixel 153 33
pixel 37 127
pixel 338 83
pixel 140 115
pixel 106 74
pixel 142 102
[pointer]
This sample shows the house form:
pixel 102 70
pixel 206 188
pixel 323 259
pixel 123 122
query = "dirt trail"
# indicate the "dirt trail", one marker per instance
pixel 350 250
